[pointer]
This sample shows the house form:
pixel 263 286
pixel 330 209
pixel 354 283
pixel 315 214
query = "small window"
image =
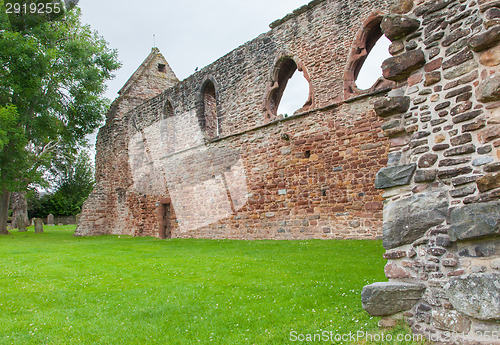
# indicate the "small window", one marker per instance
pixel 168 111
pixel 161 67
pixel 167 128
pixel 211 119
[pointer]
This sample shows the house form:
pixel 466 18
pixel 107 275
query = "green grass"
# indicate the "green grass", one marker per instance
pixel 60 289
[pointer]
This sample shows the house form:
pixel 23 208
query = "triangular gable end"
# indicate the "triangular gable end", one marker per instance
pixel 153 77
pixel 155 65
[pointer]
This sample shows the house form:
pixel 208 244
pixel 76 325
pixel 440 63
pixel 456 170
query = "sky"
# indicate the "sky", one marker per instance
pixel 191 34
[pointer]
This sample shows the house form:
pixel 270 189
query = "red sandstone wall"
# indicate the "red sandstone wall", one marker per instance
pixel 329 194
pixel 308 176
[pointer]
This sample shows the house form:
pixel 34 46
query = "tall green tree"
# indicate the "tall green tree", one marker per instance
pixel 52 84
pixel 75 181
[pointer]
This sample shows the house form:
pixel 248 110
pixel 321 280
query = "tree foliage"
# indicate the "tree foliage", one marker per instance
pixel 52 84
pixel 13 156
pixel 75 182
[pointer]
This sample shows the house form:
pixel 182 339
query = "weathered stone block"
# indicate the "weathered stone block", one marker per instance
pixel 489 89
pixel 391 124
pixel 401 66
pixel 450 320
pixel 432 78
pixel 381 299
pixel 461 139
pixel 476 295
pixel 396 48
pixel 489 181
pixel 488 134
pixel 388 106
pixel 394 158
pixel 464 68
pixel 454 38
pixel 467 116
pixel 425 175
pixel 490 57
pixel 461 192
pixel 458 91
pixel 485 40
pixel 395 26
pixel 474 126
pixel 402 7
pixel 444 174
pixel 394 254
pixel 474 220
pixel 398 175
pixel 460 150
pixel 406 220
pixel 460 108
pixel 427 160
pixel 458 59
pixel 492 167
pixel 430 7
pixel 394 271
pixel 38 226
pixel 50 219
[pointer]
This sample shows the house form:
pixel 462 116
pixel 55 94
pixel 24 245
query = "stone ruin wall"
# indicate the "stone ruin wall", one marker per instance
pixel 429 139
pixel 307 176
pixel 441 210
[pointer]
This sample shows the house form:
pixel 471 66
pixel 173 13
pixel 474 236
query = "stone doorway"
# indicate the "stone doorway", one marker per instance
pixel 164 213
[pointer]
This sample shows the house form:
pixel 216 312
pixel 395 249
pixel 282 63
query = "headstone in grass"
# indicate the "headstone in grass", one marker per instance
pixel 20 224
pixel 38 226
pixel 50 219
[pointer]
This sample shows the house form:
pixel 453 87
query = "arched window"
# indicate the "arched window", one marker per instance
pixel 370 49
pixel 168 111
pixel 167 128
pixel 211 122
pixel 289 92
pixel 371 70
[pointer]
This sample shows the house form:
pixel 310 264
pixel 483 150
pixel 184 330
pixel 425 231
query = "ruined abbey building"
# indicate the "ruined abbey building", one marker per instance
pixel 415 159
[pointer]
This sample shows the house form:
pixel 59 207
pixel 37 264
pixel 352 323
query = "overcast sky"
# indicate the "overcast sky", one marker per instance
pixel 189 33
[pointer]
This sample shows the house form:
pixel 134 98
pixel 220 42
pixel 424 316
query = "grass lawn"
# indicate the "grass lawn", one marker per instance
pixel 60 289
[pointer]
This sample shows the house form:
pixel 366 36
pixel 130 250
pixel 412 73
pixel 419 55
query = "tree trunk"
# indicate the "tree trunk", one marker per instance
pixel 19 208
pixel 4 211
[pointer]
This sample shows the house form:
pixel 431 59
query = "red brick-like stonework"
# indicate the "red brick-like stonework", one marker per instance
pixel 309 175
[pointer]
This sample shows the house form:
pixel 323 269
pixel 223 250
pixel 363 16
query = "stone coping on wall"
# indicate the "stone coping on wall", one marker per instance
pixel 295 13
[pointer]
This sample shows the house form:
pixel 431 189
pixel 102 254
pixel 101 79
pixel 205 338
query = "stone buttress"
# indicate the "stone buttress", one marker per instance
pixel 441 189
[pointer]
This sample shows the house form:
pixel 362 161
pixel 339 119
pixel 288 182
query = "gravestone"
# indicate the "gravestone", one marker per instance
pixel 20 224
pixel 50 219
pixel 38 226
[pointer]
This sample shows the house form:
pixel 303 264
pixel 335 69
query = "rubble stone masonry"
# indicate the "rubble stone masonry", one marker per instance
pixel 415 159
